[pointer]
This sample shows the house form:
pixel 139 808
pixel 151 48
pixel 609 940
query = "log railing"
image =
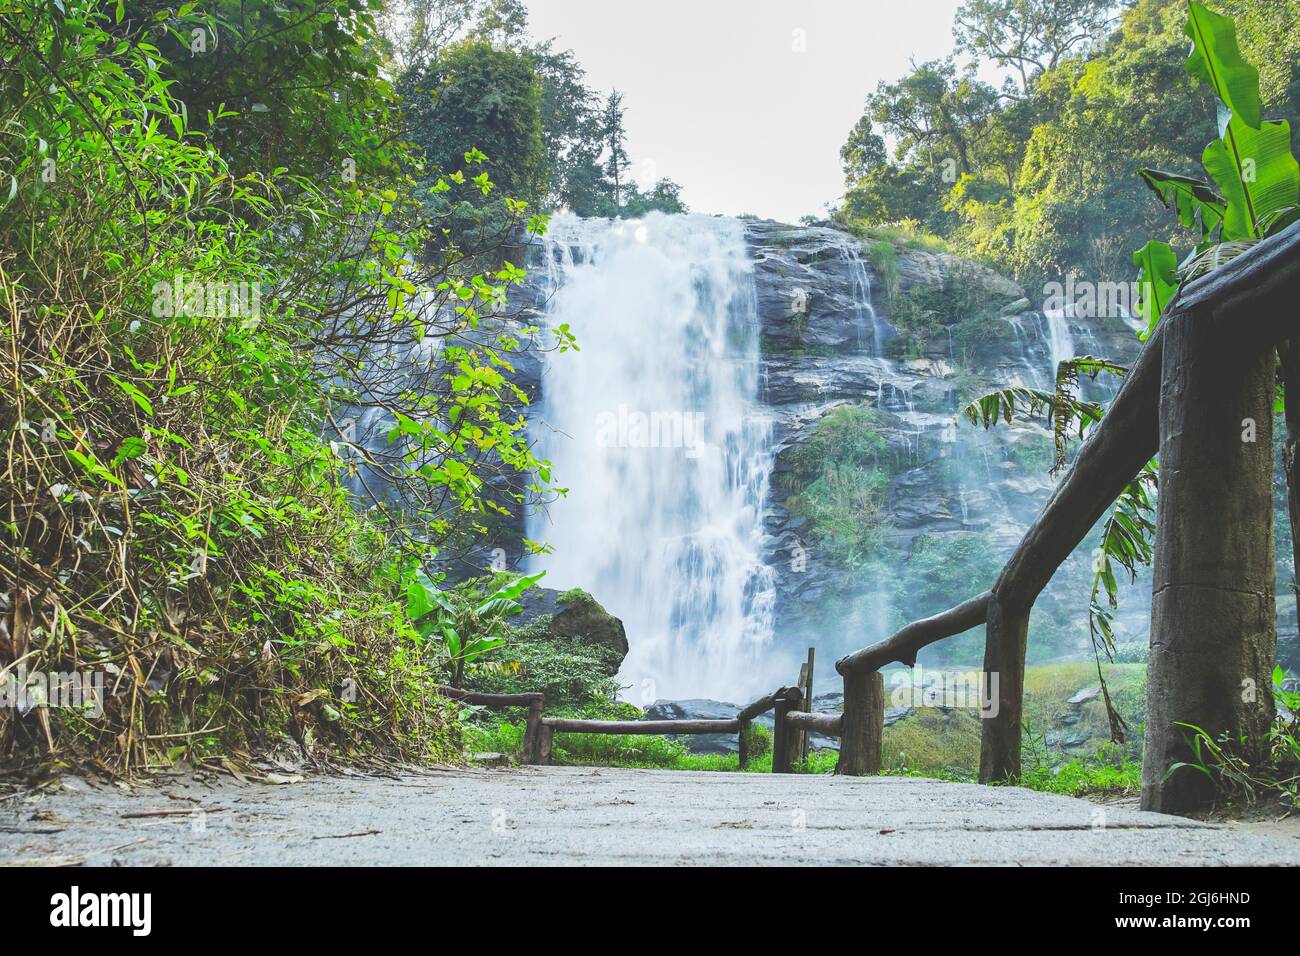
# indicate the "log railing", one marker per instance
pixel 792 724
pixel 1203 375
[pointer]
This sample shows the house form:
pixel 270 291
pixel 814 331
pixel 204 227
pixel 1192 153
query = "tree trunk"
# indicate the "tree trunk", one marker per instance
pixel 1213 625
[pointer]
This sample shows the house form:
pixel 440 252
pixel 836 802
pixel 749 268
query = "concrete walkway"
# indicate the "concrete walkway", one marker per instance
pixel 587 815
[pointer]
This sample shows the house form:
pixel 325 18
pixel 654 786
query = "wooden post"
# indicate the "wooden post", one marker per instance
pixel 531 739
pixel 863 727
pixel 545 737
pixel 801 735
pixel 1213 623
pixel 744 745
pixel 808 699
pixel 784 737
pixel 1005 638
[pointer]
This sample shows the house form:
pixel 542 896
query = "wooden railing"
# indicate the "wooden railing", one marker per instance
pixel 1206 371
pixel 792 724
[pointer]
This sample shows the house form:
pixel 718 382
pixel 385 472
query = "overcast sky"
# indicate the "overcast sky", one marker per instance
pixel 744 102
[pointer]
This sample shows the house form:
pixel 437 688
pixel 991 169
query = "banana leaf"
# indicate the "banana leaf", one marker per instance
pixel 1216 59
pixel 1257 174
pixel 1197 205
pixel 1157 280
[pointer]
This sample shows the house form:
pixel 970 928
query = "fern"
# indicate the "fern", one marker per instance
pixel 1063 408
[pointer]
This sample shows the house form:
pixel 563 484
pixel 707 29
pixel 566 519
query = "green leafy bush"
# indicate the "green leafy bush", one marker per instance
pixel 576 675
pixel 186 325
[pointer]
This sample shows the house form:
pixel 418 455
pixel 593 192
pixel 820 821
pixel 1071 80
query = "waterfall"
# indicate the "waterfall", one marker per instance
pixel 1060 340
pixel 864 313
pixel 655 429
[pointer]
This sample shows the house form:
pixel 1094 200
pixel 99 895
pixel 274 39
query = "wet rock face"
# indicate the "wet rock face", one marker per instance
pixel 835 316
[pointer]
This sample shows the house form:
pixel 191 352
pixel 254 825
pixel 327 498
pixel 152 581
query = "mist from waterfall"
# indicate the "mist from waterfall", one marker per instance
pixel 655 429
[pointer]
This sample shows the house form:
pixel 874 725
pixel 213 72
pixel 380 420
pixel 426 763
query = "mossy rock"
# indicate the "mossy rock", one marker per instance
pixel 580 616
pixel 572 615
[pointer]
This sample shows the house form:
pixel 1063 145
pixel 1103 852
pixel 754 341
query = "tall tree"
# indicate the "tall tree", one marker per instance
pixel 1030 37
pixel 935 113
pixel 477 95
pixel 863 151
pixel 616 159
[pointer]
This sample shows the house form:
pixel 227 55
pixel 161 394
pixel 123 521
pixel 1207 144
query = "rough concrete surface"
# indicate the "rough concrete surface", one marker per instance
pixel 588 815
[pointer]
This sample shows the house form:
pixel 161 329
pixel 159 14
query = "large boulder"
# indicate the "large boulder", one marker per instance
pixel 573 615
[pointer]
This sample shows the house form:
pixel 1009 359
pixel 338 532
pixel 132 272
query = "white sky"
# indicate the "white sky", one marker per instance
pixel 719 100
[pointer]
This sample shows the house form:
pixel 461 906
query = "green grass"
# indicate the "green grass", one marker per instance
pixel 1100 773
pixel 906 233
pixel 610 750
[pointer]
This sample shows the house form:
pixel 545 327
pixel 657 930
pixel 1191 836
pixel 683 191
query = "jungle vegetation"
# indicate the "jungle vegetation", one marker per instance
pixel 243 278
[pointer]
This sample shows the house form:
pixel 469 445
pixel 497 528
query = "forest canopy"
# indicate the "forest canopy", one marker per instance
pixel 1038 177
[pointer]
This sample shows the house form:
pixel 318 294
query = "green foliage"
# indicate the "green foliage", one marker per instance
pixel 884 258
pixel 1157 280
pixel 1127 539
pixel 576 675
pixel 932 743
pixel 548 137
pixel 959 307
pixel 1109 771
pixel 758 741
pixel 1216 61
pixel 576 596
pixel 1236 776
pixel 839 479
pixel 1065 411
pixel 1029 36
pixel 473 93
pixel 1250 163
pixel 470 629
pixel 1038 183
pixel 174 511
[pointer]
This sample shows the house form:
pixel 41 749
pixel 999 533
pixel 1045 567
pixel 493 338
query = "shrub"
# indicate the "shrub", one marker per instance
pixel 839 480
pixel 174 511
pixel 758 740
pixel 575 674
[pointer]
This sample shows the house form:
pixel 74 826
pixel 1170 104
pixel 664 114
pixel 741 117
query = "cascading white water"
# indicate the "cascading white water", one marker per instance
pixel 1060 341
pixel 864 312
pixel 655 429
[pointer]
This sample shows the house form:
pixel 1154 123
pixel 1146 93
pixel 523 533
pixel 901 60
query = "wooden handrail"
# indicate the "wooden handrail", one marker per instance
pixel 565 725
pixel 758 707
pixel 828 725
pixel 489 700
pixel 903 645
pixel 1254 295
